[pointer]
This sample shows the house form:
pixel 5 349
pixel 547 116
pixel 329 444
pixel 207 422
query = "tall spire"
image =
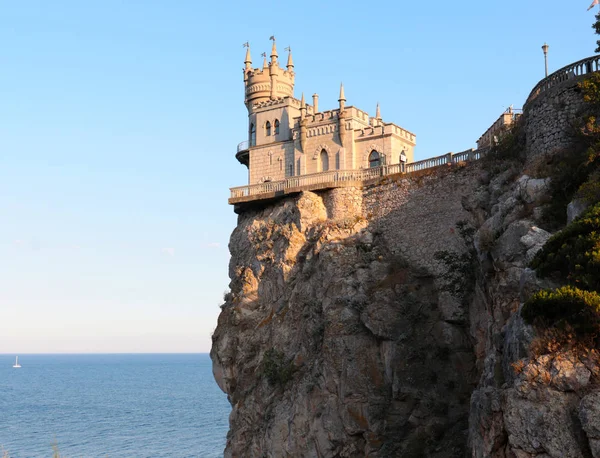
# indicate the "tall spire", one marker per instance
pixel 290 62
pixel 248 60
pixel 274 54
pixel 342 98
pixel 302 107
pixel 378 112
pixel 265 64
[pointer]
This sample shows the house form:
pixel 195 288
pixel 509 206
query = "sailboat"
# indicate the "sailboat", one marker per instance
pixel 17 362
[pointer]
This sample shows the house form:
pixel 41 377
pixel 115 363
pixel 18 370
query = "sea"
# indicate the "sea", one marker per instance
pixel 114 405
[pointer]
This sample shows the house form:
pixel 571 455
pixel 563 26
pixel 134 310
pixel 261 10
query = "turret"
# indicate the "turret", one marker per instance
pixel 270 82
pixel 247 62
pixel 342 98
pixel 303 121
pixel 290 62
pixel 341 116
pixel 378 113
pixel 274 54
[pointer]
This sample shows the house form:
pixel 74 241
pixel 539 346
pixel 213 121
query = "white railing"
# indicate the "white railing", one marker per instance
pixel 581 67
pixel 335 178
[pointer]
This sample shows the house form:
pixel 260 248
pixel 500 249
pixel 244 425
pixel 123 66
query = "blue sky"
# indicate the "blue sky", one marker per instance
pixel 119 122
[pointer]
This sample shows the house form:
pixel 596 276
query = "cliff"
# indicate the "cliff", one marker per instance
pixel 384 321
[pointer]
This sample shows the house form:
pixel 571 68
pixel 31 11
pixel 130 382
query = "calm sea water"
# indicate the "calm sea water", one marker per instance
pixel 111 405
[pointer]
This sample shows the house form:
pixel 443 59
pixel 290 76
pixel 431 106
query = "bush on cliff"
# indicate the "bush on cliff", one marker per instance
pixel 277 370
pixel 564 307
pixel 574 253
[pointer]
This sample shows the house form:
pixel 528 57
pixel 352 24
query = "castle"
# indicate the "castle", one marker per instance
pixel 289 138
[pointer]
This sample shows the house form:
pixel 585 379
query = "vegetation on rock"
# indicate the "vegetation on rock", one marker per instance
pixel 276 368
pixel 566 306
pixel 574 252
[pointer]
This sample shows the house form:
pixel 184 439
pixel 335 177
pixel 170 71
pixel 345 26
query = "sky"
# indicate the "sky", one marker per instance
pixel 119 122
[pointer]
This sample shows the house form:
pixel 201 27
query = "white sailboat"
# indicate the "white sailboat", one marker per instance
pixel 17 362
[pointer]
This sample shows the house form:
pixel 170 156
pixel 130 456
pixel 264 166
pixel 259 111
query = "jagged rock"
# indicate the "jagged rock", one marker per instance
pixel 517 339
pixel 568 373
pixel 589 414
pixel 543 424
pixel 533 241
pixel 533 190
pixel 508 246
pixel 575 208
pixel 487 435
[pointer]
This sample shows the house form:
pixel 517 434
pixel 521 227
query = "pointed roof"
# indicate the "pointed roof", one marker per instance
pixel 342 96
pixel 302 102
pixel 248 59
pixel 378 112
pixel 265 63
pixel 273 49
pixel 290 62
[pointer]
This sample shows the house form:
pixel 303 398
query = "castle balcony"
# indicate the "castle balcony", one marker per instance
pixel 342 178
pixel 243 153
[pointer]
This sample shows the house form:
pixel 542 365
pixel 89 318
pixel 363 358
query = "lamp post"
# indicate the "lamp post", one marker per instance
pixel 545 49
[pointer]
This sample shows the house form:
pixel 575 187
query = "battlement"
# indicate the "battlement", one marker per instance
pixel 281 102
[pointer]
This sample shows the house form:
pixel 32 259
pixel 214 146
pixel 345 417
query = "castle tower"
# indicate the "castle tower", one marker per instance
pixel 270 82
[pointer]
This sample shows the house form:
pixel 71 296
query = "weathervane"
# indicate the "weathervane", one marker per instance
pixel 289 48
pixel 264 54
pixel 246 45
pixel 272 37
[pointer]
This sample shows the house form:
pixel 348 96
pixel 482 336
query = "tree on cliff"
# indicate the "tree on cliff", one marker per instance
pixel 596 27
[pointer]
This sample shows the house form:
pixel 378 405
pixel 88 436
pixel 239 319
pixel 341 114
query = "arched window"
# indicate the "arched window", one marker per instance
pixel 268 129
pixel 374 159
pixel 277 127
pixel 252 135
pixel 324 161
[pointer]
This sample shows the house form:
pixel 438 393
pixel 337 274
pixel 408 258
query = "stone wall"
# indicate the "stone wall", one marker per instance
pixel 420 212
pixel 343 203
pixel 549 117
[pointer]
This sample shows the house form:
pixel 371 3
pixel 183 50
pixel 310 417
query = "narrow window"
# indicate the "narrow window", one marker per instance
pixel 277 127
pixel 374 159
pixel 291 170
pixel 324 161
pixel 252 135
pixel 268 129
pixel 270 158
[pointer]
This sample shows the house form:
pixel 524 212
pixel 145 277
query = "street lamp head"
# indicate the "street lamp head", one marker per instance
pixel 545 48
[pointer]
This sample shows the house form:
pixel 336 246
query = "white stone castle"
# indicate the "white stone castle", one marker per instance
pixel 289 138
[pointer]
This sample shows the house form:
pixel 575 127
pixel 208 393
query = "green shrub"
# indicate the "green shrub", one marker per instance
pixel 276 369
pixel 562 307
pixel 574 252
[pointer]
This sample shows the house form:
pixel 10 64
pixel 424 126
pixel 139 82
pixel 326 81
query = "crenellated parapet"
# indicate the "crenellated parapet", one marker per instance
pixel 271 82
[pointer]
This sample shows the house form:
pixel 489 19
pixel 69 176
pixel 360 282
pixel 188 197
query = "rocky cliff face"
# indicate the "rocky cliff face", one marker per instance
pixel 530 402
pixel 341 336
pixel 336 338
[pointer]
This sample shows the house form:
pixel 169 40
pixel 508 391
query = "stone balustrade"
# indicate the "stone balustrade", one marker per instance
pixel 581 67
pixel 341 178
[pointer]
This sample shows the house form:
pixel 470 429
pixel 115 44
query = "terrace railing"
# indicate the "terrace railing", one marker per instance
pixel 581 67
pixel 335 178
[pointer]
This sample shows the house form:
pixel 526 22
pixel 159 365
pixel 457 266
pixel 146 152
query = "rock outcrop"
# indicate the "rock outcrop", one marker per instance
pixel 342 335
pixel 337 338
